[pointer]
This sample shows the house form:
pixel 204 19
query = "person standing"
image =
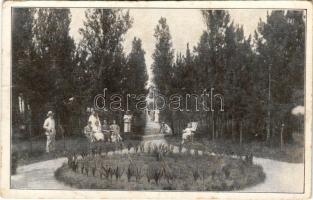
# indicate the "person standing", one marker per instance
pixel 95 121
pixel 127 122
pixel 106 130
pixel 49 126
pixel 157 116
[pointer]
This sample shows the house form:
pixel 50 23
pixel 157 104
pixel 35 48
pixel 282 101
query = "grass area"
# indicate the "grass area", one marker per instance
pixel 148 171
pixel 24 153
pixel 291 152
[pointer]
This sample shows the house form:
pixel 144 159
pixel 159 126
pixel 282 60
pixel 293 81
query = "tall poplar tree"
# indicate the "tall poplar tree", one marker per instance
pixel 280 45
pixel 136 73
pixel 163 57
pixel 54 47
pixel 22 56
pixel 102 37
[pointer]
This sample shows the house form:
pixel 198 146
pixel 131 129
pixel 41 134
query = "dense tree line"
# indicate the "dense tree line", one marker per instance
pixel 260 78
pixel 50 72
pixel 42 62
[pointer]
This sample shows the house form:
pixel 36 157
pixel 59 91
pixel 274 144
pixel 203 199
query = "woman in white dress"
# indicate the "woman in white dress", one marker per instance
pixel 93 118
pixel 96 126
pixel 97 133
pixel 187 132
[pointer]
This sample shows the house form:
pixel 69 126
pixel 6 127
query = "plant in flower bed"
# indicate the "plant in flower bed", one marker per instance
pixel 158 168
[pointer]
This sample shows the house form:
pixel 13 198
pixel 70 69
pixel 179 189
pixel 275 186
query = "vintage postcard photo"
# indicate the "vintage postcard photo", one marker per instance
pixel 163 99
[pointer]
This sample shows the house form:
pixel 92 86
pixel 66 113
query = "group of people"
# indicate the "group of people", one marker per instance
pixel 94 131
pixel 187 133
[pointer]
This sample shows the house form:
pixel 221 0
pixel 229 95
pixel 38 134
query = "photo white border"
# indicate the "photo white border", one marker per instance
pixel 5 96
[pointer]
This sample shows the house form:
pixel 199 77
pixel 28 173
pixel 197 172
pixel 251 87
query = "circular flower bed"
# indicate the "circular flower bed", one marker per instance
pixel 158 170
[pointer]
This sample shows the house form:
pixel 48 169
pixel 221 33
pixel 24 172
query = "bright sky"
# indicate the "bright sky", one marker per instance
pixel 186 26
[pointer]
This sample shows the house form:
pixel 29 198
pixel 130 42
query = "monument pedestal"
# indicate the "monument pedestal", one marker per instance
pixel 145 137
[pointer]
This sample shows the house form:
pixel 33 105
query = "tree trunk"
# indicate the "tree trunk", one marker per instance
pixel 241 124
pixel 221 126
pixel 232 128
pixel 217 126
pixel 212 121
pixel 282 137
pixel 268 133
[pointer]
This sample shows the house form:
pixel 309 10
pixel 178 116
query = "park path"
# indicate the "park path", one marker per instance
pixel 39 175
pixel 280 176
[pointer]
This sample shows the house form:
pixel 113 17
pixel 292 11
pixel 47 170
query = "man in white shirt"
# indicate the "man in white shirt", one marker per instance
pixel 49 126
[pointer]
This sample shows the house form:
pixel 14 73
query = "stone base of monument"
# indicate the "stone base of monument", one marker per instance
pixel 145 137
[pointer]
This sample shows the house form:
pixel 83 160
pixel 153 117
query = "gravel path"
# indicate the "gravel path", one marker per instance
pixel 280 177
pixel 38 175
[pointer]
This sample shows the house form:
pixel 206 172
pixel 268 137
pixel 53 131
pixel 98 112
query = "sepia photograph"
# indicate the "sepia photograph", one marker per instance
pixel 164 99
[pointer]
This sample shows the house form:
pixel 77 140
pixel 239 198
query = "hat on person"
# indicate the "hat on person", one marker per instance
pixel 49 113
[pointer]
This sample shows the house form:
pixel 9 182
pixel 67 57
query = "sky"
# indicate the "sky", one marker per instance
pixel 186 26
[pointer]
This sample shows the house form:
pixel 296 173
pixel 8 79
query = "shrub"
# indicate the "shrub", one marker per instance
pixel 130 172
pixel 106 171
pixel 14 159
pixel 93 170
pixel 149 173
pixel 136 149
pixel 129 146
pixel 180 149
pixel 142 148
pixel 149 148
pixel 196 174
pixel 118 172
pixel 157 174
pixel 249 159
pixel 138 173
pixel 169 175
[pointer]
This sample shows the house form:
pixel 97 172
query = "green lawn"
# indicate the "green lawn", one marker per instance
pixel 27 154
pixel 291 152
